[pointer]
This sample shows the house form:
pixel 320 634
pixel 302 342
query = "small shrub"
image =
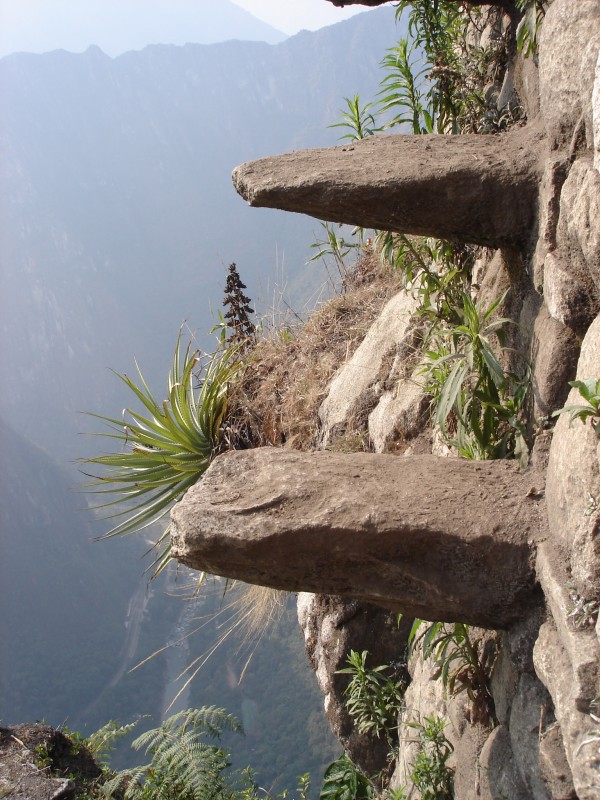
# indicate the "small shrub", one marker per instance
pixel 584 612
pixel 373 698
pixel 477 405
pixel 343 781
pixel 430 773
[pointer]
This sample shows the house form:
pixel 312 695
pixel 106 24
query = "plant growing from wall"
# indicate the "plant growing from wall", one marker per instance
pixel 344 781
pixel 166 447
pixel 464 664
pixel 430 773
pixel 477 405
pixel 373 698
pixel 584 612
pixel 590 409
pixel 534 12
pixel 435 30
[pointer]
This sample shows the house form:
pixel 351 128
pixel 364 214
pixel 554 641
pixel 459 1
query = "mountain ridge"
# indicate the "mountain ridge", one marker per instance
pixel 118 27
pixel 117 176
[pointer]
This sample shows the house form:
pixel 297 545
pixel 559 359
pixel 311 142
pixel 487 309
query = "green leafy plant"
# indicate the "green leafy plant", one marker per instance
pixel 477 405
pixel 590 391
pixel 336 247
pixel 373 698
pixel 438 30
pixel 404 89
pixel 358 119
pixel 343 781
pixel 167 446
pixel 534 12
pixel 430 773
pixel 464 665
pixel 187 760
pixel 102 742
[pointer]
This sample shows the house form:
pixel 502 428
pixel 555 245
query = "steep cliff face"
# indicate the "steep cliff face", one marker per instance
pixel 531 198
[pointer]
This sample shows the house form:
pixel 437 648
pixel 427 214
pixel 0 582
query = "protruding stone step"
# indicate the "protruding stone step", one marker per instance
pixel 477 189
pixel 436 538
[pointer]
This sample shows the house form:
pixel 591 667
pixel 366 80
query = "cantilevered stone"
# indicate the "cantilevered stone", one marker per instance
pixel 477 189
pixel 437 538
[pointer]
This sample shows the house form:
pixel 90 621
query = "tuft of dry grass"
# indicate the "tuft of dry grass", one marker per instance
pixel 277 401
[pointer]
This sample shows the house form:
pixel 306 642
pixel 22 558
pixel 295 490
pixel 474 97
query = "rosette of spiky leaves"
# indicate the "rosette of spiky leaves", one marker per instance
pixel 187 759
pixel 168 445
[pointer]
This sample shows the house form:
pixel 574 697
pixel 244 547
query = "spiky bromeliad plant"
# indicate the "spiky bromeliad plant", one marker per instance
pixel 166 447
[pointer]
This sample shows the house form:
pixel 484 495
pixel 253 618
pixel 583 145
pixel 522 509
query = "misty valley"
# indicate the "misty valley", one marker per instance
pixel 117 222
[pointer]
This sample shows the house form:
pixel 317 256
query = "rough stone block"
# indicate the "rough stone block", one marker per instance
pixel 565 98
pixel 573 480
pixel 499 773
pixel 554 670
pixel 399 415
pixel 354 385
pixel 438 538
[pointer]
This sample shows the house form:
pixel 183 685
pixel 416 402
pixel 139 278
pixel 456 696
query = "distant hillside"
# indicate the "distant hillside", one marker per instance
pixel 117 222
pixel 118 217
pixel 117 26
pixel 63 597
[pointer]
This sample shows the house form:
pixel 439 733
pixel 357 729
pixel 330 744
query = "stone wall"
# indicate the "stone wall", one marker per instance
pixel 545 677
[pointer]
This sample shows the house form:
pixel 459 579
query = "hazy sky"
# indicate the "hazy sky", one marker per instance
pixel 119 25
pixel 291 16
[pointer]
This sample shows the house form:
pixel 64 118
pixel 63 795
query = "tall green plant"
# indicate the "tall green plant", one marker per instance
pixel 477 405
pixel 373 698
pixel 167 446
pixel 404 89
pixel 430 773
pixel 436 29
pixel 358 119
